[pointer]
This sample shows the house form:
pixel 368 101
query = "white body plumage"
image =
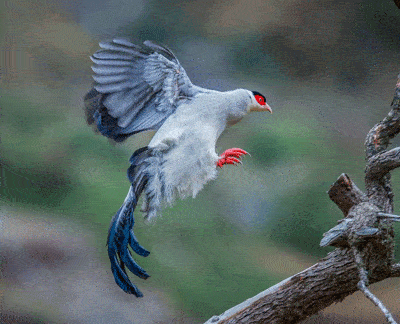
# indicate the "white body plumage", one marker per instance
pixel 139 88
pixel 187 141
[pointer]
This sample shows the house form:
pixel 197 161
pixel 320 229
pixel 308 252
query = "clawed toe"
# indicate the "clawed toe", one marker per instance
pixel 232 160
pixel 237 152
pixel 231 156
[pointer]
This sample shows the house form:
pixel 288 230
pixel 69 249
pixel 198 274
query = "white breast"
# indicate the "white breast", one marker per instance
pixel 187 140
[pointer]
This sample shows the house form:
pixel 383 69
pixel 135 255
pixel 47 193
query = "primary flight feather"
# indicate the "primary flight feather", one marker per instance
pixel 140 88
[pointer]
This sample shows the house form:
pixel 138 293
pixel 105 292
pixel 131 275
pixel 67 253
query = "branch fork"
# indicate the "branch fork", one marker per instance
pixel 364 241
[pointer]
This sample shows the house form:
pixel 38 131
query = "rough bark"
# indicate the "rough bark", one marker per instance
pixel 364 241
pixel 345 194
pixel 300 295
pixel 379 189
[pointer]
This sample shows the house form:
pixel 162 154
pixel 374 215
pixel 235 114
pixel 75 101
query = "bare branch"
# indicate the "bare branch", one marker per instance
pixel 378 137
pixel 379 190
pixel 391 217
pixel 382 163
pixel 361 267
pixel 326 282
pixel 396 270
pixel 376 301
pixel 341 273
pixel 363 283
pixel 345 193
pixel 380 193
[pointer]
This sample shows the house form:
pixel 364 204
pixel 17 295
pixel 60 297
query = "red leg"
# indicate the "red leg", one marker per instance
pixel 231 156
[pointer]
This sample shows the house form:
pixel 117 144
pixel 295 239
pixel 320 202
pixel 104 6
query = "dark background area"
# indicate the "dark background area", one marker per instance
pixel 328 70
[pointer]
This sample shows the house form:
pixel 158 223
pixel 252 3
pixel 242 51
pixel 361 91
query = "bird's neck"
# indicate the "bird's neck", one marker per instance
pixel 238 101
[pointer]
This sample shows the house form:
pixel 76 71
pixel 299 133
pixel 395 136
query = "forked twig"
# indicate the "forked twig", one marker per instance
pixel 363 283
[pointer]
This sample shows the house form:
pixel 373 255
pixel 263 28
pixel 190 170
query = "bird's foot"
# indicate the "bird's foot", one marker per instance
pixel 231 156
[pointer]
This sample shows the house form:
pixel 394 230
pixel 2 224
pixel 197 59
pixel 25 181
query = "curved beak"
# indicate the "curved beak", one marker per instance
pixel 268 108
pixel 265 107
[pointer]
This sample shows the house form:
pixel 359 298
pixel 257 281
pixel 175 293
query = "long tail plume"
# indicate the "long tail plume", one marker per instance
pixel 121 235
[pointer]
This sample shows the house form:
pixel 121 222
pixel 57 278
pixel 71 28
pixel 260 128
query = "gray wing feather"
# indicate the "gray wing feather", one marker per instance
pixel 111 78
pixel 141 85
pixel 115 55
pixel 163 50
pixel 124 47
pixel 147 119
pixel 110 69
pixel 110 62
pixel 114 87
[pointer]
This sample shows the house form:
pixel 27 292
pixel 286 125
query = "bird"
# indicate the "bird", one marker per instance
pixel 143 87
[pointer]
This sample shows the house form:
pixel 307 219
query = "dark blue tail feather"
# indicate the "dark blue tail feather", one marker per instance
pixel 136 247
pixel 121 236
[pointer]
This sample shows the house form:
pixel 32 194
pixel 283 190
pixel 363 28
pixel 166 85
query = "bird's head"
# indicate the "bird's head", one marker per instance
pixel 258 102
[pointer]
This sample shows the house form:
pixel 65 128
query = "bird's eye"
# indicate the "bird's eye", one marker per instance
pixel 260 99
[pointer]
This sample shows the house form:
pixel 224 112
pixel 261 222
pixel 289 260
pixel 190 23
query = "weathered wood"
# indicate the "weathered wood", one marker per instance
pixel 328 281
pixel 368 235
pixel 379 189
pixel 378 138
pixel 345 194
pixel 396 270
pixel 299 296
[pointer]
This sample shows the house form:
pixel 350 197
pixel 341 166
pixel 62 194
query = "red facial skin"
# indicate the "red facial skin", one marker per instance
pixel 263 105
pixel 260 100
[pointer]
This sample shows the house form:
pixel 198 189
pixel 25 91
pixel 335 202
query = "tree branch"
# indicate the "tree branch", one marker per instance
pixel 382 163
pixel 362 287
pixel 396 270
pixel 345 194
pixel 379 190
pixel 394 218
pixel 326 282
pixel 363 283
pixel 366 229
pixel 378 137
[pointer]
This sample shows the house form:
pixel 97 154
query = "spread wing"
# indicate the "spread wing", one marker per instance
pixel 136 87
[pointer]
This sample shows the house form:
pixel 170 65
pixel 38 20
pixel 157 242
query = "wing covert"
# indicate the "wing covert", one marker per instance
pixel 138 87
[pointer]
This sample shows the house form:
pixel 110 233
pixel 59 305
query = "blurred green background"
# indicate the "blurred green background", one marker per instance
pixel 328 70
